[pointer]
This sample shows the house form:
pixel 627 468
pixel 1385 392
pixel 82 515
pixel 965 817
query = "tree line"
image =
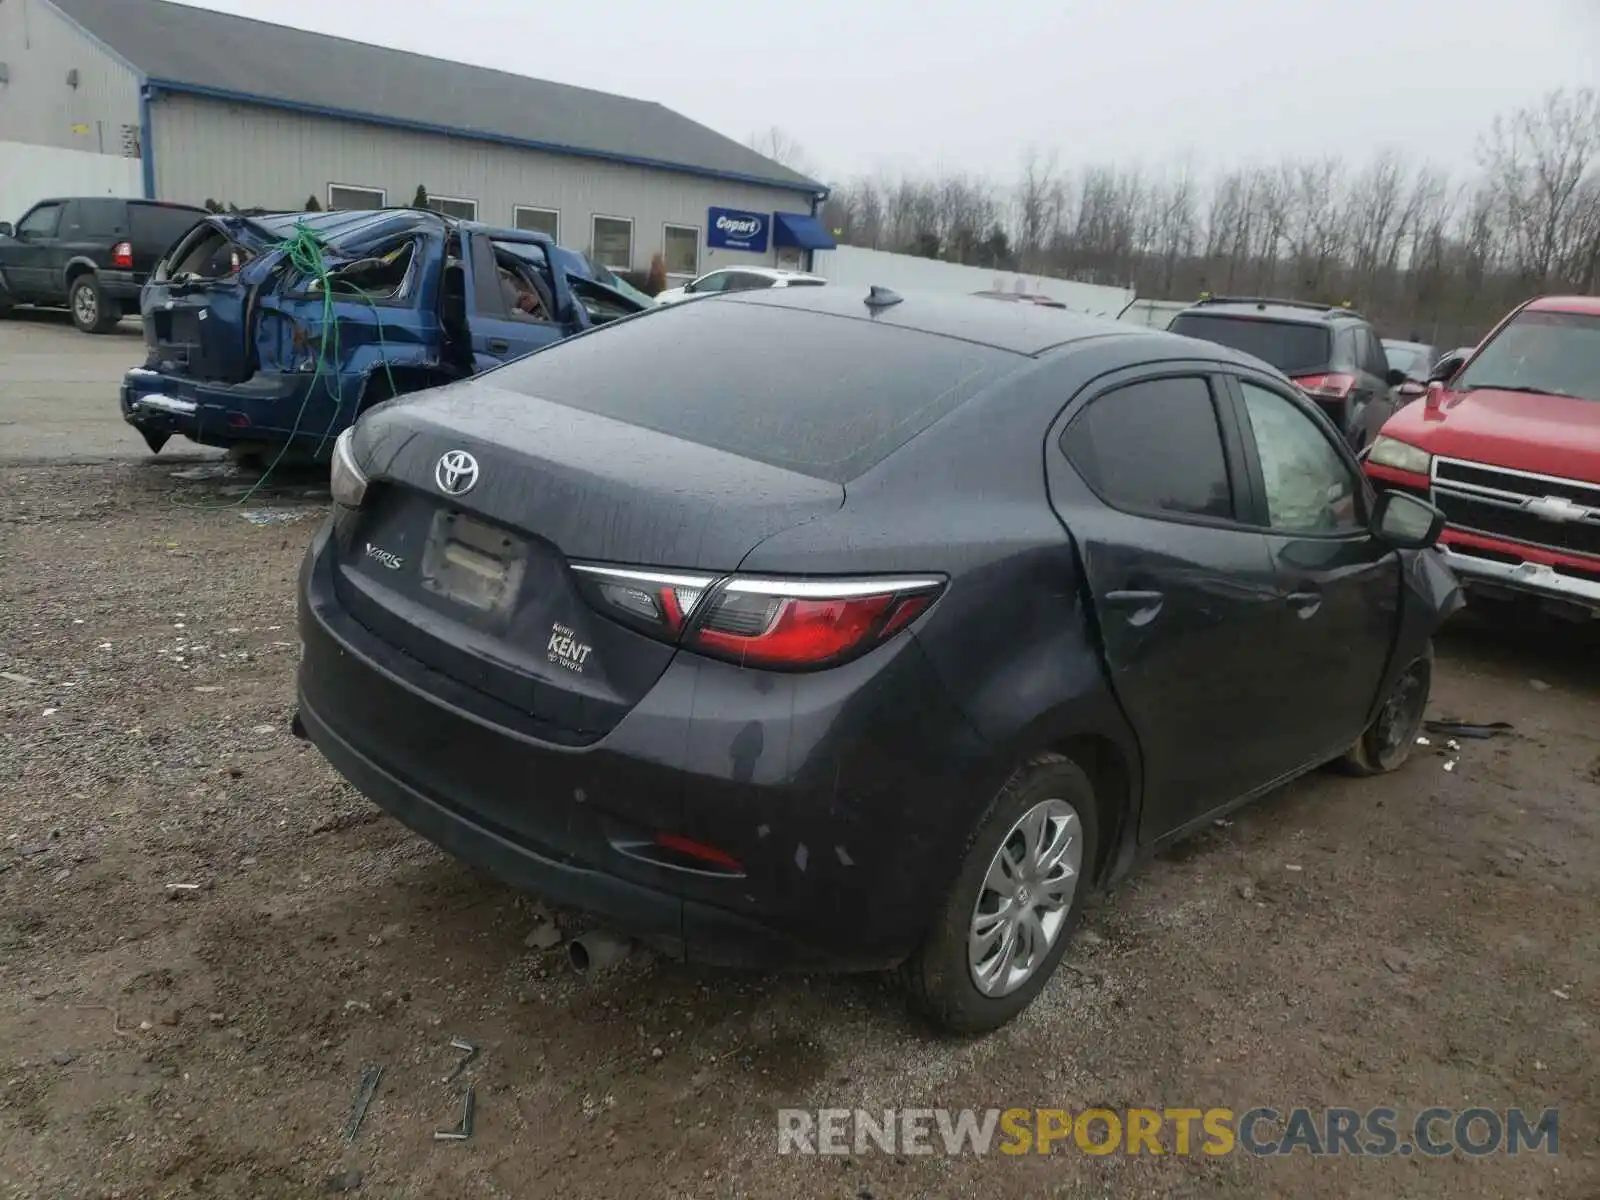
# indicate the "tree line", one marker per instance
pixel 1417 248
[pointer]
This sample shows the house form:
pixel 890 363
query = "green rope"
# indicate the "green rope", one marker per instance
pixel 304 251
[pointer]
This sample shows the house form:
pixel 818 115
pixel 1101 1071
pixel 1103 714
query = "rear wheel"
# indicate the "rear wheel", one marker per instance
pixel 1388 741
pixel 91 311
pixel 1006 923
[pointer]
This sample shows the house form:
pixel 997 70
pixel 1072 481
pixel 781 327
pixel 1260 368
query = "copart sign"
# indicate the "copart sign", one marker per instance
pixel 733 229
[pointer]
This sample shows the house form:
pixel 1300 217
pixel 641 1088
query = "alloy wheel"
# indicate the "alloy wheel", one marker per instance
pixel 85 305
pixel 1026 895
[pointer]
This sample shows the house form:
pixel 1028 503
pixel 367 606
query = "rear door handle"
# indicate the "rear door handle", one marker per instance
pixel 1142 607
pixel 1305 604
pixel 499 346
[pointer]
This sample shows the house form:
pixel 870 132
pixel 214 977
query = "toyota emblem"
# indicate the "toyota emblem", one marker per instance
pixel 457 473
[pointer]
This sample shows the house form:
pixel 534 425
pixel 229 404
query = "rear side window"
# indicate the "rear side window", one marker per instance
pixel 155 228
pixel 825 396
pixel 1153 447
pixel 1293 348
pixel 98 218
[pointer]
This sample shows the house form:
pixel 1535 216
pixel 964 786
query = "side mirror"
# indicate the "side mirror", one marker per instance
pixel 1405 521
pixel 6 230
pixel 1396 377
pixel 1444 370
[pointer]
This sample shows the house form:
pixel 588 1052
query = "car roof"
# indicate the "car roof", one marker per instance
pixel 1586 305
pixel 1028 329
pixel 764 272
pixel 508 235
pixel 122 200
pixel 1268 309
pixel 1398 344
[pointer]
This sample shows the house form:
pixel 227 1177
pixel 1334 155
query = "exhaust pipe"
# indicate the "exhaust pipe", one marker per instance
pixel 597 951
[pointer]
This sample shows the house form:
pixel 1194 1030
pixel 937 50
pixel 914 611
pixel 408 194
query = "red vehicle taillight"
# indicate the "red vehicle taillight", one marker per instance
pixel 793 624
pixel 1327 387
pixel 122 255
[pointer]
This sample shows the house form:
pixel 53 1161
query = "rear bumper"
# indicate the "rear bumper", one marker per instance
pixel 262 409
pixel 661 920
pixel 122 286
pixel 846 795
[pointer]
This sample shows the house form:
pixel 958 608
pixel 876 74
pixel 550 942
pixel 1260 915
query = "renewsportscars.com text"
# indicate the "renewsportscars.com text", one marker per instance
pixel 1430 1132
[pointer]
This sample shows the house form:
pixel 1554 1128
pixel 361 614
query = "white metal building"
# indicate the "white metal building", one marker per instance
pixel 153 98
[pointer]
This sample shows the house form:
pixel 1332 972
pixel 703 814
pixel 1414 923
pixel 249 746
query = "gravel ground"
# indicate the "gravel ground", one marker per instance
pixel 207 936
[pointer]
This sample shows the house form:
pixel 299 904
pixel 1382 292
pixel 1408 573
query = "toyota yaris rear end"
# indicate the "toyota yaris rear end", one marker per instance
pixel 747 627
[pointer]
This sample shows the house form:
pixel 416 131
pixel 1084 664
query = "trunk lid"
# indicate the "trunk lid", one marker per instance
pixel 478 586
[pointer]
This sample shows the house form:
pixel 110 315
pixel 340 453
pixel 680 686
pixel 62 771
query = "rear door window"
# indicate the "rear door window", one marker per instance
pixel 97 219
pixel 154 227
pixel 1292 347
pixel 825 396
pixel 1154 447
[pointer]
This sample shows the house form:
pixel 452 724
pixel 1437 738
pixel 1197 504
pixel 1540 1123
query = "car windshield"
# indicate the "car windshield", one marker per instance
pixel 1552 353
pixel 1292 347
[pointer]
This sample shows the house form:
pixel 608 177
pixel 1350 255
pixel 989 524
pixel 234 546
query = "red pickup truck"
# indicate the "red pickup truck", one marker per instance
pixel 1506 442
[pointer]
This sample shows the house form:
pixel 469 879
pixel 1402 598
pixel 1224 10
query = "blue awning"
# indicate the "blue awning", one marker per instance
pixel 797 229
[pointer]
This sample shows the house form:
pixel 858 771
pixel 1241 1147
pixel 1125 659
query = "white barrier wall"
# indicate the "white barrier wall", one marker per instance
pixel 855 266
pixel 31 173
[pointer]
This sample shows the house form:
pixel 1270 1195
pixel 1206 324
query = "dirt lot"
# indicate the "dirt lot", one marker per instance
pixel 1427 938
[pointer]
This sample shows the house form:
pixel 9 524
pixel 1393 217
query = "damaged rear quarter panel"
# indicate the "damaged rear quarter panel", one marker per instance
pixel 370 334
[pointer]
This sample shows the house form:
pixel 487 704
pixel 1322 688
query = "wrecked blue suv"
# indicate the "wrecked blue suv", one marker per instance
pixel 253 349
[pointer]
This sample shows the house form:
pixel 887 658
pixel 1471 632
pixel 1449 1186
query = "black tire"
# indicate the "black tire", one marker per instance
pixel 1385 745
pixel 91 311
pixel 938 976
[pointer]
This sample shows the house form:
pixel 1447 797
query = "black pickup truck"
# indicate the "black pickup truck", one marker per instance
pixel 90 255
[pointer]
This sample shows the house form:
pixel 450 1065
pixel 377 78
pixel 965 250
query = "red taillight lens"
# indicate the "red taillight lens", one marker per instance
pixel 794 624
pixel 122 254
pixel 798 623
pixel 1329 387
pixel 699 853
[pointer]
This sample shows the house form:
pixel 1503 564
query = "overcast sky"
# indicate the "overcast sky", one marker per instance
pixel 919 85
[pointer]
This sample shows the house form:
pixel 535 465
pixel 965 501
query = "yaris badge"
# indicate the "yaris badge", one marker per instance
pixel 456 473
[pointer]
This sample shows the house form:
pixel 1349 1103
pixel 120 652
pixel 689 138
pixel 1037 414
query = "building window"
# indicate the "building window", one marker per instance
pixel 613 243
pixel 682 250
pixel 454 206
pixel 537 220
pixel 349 195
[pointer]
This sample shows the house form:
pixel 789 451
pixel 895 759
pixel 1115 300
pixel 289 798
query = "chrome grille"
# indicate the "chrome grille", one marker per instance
pixel 1541 510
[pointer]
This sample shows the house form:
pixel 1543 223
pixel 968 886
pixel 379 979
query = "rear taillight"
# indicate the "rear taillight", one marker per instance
pixel 657 602
pixel 122 255
pixel 793 624
pixel 1334 386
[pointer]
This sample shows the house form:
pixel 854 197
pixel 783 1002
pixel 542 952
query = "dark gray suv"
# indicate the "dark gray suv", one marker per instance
pixel 1332 353
pixel 90 255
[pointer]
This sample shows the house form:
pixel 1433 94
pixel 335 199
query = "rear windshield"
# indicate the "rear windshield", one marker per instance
pixel 1554 353
pixel 1403 356
pixel 825 396
pixel 154 228
pixel 1293 348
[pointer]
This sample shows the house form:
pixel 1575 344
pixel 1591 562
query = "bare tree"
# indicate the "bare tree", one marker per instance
pixel 781 148
pixel 1415 249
